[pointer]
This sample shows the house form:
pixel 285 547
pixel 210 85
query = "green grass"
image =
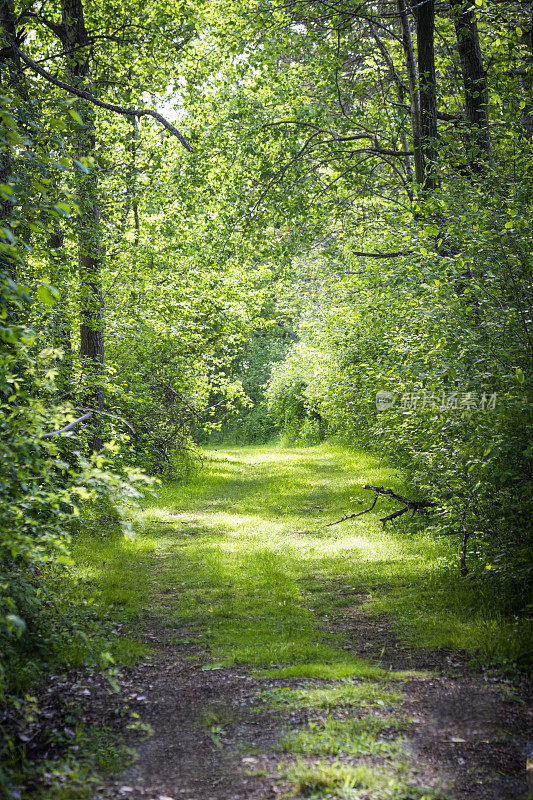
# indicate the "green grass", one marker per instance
pixel 239 561
pixel 355 667
pixel 242 555
pixel 352 736
pixel 332 695
pixel 346 782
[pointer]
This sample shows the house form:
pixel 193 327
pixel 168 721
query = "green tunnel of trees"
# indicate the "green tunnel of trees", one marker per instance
pixel 239 221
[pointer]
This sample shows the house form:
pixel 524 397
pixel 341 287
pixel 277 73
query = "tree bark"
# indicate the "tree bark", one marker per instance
pixel 10 79
pixel 475 84
pixel 526 78
pixel 400 93
pixel 425 40
pixel 414 93
pixel 75 38
pixel 11 85
pixel 132 182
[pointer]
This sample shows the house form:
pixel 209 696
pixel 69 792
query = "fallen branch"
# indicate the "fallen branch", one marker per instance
pixel 351 516
pixel 409 505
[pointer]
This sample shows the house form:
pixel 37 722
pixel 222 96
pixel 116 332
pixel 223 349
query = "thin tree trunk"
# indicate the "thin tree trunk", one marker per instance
pixel 526 77
pixel 10 77
pixel 11 85
pixel 6 68
pixel 400 93
pixel 464 545
pixel 425 40
pixel 89 244
pixel 61 333
pixel 474 82
pixel 414 92
pixel 132 186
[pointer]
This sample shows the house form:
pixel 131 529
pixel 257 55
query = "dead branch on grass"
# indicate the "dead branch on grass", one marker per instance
pixel 409 505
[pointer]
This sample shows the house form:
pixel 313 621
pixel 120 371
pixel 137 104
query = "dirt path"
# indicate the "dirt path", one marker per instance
pixel 212 738
pixel 222 731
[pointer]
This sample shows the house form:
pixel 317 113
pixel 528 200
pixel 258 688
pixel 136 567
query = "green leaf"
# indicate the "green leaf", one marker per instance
pixel 6 191
pixel 75 116
pixel 82 166
pixel 47 294
pixel 63 209
pixel 7 234
pixel 15 622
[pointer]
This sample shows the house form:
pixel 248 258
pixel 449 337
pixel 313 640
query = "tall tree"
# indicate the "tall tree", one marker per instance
pixel 78 45
pixel 11 82
pixel 474 82
pixel 414 93
pixel 425 40
pixel 75 40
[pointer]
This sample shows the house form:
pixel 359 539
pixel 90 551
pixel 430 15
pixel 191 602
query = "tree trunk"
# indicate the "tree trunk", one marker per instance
pixel 10 79
pixel 61 332
pixel 132 184
pixel 400 93
pixel 76 40
pixel 526 78
pixel 475 84
pixel 425 40
pixel 12 86
pixel 414 92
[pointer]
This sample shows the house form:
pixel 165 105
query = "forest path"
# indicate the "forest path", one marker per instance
pixel 268 674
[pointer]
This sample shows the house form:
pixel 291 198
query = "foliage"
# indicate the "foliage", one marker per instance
pixel 273 280
pixel 45 479
pixel 461 420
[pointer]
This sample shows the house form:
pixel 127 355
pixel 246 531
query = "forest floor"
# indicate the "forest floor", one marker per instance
pixel 285 658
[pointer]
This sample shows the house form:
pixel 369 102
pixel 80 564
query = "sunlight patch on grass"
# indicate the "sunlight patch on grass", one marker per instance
pixel 342 669
pixel 242 554
pixel 326 779
pixel 240 561
pixel 333 779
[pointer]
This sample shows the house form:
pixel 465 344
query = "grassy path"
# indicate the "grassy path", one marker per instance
pixel 271 667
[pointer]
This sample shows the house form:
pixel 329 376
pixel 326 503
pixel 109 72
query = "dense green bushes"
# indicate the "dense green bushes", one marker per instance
pixel 44 482
pixel 449 337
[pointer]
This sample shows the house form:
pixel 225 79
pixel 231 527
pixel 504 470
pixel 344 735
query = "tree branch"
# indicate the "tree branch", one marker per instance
pixel 410 505
pixel 107 414
pixel 84 95
pixel 68 427
pixel 351 516
pixel 380 255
